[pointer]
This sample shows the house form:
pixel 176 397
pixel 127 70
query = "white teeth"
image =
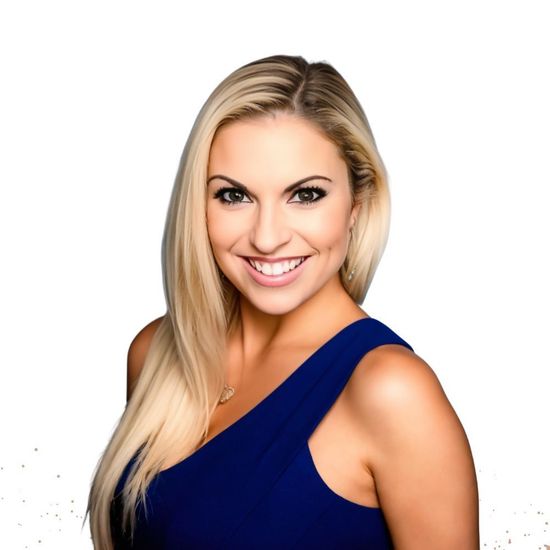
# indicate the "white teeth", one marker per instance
pixel 276 268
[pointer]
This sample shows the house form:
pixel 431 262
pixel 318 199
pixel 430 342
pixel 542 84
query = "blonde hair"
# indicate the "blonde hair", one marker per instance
pixel 182 376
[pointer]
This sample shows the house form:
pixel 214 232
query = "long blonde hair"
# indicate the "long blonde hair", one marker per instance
pixel 182 376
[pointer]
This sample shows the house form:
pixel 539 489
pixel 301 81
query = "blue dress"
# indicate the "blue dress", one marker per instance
pixel 255 484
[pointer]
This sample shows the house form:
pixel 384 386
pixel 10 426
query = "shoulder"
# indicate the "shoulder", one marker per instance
pixel 137 352
pixel 393 377
pixel 141 341
pixel 418 451
pixel 396 392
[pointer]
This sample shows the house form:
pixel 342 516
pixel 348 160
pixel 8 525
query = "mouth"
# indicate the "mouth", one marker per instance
pixel 275 274
pixel 275 268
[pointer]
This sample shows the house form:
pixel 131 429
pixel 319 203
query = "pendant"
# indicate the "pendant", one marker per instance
pixel 227 394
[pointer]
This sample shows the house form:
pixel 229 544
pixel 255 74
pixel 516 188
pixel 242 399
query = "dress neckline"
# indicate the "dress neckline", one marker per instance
pixel 262 403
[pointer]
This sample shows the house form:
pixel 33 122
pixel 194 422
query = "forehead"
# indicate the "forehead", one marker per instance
pixel 284 146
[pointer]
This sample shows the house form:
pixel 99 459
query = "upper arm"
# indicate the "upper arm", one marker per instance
pixel 419 453
pixel 137 353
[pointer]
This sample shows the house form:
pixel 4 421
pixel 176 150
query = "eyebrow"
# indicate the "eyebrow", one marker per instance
pixel 287 189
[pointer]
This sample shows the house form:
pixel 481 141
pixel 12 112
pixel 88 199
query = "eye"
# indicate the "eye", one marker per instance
pixel 308 191
pixel 304 191
pixel 219 194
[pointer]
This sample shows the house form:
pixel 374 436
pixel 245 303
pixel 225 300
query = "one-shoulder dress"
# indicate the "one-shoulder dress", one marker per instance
pixel 255 484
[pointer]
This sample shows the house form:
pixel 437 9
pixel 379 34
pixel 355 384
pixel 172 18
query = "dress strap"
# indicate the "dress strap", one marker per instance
pixel 320 399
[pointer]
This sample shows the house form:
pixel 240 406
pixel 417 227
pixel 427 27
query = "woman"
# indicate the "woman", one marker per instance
pixel 266 408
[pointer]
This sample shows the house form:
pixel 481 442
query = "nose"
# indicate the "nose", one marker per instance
pixel 270 230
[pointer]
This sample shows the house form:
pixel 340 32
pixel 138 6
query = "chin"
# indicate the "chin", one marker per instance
pixel 278 302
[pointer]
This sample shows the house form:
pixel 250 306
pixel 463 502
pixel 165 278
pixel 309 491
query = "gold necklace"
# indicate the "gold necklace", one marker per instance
pixel 227 394
pixel 228 391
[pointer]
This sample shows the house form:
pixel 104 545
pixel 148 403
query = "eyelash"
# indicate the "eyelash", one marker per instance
pixel 220 192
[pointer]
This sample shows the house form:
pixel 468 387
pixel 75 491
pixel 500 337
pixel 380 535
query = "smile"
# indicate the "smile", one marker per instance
pixel 275 274
pixel 276 268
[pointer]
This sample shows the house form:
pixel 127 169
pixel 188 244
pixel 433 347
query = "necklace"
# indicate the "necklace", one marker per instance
pixel 227 394
pixel 228 391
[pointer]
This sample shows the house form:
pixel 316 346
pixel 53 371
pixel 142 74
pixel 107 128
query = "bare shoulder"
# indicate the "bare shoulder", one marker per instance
pixel 138 351
pixel 389 377
pixel 418 451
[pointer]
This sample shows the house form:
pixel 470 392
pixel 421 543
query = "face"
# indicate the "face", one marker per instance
pixel 278 192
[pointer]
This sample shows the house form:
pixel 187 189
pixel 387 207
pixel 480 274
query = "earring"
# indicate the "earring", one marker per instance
pixel 350 276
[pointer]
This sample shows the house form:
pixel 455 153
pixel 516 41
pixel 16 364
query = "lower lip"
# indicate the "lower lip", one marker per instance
pixel 274 280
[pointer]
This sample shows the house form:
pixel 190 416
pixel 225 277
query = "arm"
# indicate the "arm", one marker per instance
pixel 419 453
pixel 137 353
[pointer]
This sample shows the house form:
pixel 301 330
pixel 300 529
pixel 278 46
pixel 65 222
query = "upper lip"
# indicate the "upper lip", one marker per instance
pixel 273 260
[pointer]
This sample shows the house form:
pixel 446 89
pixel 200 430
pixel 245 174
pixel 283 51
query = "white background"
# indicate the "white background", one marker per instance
pixel 97 100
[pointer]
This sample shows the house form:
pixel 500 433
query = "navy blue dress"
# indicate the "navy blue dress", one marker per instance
pixel 255 484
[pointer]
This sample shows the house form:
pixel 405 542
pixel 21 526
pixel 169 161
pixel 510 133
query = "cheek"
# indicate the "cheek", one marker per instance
pixel 221 229
pixel 329 228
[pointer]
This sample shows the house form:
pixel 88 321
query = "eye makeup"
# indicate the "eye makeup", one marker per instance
pixel 219 194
